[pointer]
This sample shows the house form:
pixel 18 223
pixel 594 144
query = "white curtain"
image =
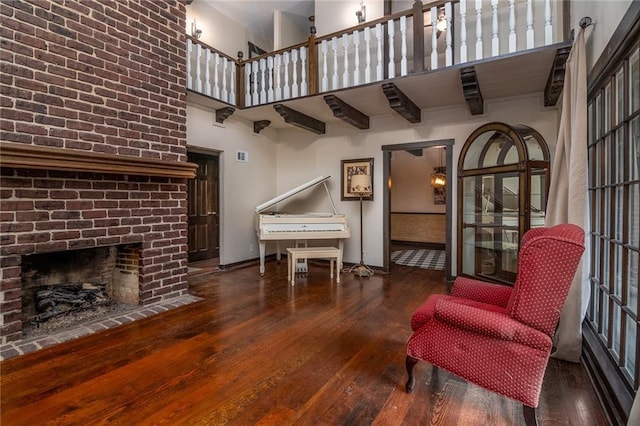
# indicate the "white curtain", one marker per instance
pixel 568 195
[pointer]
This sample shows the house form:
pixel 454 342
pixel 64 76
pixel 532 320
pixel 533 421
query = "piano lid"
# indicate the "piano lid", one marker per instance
pixel 262 207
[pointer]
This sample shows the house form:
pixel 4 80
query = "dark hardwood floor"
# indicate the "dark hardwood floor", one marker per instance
pixel 257 351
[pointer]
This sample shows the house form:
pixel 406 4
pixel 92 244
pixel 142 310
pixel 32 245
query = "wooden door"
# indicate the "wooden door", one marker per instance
pixel 203 208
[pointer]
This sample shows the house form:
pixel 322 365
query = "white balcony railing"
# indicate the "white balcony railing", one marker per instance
pixel 408 42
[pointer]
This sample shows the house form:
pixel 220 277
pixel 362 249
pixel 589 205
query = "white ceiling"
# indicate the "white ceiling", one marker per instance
pixel 258 14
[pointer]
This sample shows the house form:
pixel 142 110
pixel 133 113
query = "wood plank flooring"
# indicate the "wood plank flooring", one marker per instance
pixel 256 351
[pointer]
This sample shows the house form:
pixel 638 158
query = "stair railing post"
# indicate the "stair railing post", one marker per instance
pixel 418 37
pixel 312 60
pixel 239 80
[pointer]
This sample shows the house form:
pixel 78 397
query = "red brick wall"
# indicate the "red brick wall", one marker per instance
pixel 100 76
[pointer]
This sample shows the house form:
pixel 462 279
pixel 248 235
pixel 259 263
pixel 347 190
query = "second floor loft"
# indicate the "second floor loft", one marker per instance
pixel 432 55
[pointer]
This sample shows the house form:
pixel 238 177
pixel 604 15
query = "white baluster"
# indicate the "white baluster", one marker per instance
pixel 263 84
pixel 334 77
pixel 232 84
pixel 189 54
pixel 294 73
pixel 303 71
pixel 548 27
pixel 530 33
pixel 495 42
pixel 324 48
pixel 367 55
pixel 356 58
pixel 392 63
pixel 478 29
pixel 345 59
pixel 254 75
pixel 225 94
pixel 270 94
pixel 379 65
pixel 434 38
pixel 512 26
pixel 287 92
pixel 463 31
pixel 448 53
pixel 278 69
pixel 198 66
pixel 403 45
pixel 247 84
pixel 216 83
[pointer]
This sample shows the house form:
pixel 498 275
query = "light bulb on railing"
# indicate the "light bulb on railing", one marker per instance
pixel 195 31
pixel 441 24
pixel 362 13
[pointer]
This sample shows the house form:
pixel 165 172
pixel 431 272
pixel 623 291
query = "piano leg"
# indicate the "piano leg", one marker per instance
pixel 262 245
pixel 278 254
pixel 341 247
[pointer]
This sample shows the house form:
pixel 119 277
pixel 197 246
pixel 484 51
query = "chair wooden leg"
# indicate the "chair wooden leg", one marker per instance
pixel 529 415
pixel 410 362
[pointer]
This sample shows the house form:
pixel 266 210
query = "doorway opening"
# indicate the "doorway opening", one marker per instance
pixel 203 201
pixel 417 217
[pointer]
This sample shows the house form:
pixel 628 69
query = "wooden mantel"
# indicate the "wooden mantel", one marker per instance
pixel 25 156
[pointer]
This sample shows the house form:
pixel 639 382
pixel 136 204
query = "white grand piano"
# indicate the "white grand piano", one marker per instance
pixel 301 227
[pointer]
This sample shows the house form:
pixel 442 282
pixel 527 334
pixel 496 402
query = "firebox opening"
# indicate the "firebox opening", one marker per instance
pixel 63 289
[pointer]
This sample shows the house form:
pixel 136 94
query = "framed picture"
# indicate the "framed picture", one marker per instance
pixel 440 195
pixel 362 166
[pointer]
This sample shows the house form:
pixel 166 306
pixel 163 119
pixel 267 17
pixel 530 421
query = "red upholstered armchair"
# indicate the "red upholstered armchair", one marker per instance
pixel 496 336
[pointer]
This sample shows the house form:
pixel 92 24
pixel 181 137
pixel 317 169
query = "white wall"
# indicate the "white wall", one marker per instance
pixel 243 186
pixel 302 156
pixel 285 32
pixel 335 15
pixel 411 181
pixel 606 16
pixel 221 32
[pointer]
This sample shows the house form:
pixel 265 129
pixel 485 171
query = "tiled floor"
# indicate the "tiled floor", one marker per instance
pixel 24 346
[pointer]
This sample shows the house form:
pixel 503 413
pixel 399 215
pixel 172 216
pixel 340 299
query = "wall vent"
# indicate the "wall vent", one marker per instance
pixel 242 156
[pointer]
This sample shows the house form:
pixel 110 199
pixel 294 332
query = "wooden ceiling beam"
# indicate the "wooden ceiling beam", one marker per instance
pixel 347 113
pixel 401 103
pixel 471 90
pixel 555 82
pixel 301 120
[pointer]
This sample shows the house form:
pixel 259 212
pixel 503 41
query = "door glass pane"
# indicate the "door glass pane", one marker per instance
pixel 598 116
pixel 632 287
pixel 617 277
pixel 615 326
pixel 619 103
pixel 605 318
pixel 634 82
pixel 634 216
pixel 606 108
pixel 619 148
pixel 591 137
pixel 634 149
pixel 538 197
pixel 619 213
pixel 630 357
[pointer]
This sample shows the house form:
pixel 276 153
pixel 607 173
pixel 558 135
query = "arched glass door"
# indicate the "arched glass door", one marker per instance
pixel 503 180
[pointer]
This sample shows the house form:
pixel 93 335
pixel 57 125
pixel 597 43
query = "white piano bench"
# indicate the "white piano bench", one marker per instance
pixel 299 253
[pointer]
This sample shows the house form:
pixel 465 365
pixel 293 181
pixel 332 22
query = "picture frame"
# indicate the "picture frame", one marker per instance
pixel 354 167
pixel 440 196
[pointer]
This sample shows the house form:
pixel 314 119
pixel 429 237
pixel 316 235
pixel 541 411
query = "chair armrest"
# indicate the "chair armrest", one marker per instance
pixel 490 324
pixel 480 291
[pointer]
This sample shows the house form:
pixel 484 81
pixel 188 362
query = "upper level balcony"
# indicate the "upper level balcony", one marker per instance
pixel 437 54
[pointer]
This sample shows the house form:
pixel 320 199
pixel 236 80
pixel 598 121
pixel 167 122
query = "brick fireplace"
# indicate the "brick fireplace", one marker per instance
pixel 93 146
